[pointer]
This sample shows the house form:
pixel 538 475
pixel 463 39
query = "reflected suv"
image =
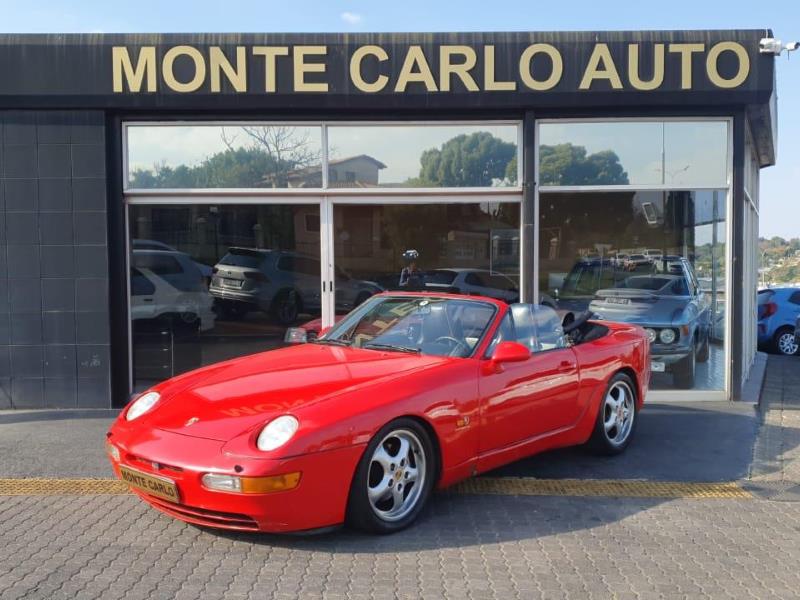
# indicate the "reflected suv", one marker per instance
pixel 281 283
pixel 674 311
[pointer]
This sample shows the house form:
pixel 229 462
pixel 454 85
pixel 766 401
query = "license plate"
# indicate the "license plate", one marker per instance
pixel 232 283
pixel 618 300
pixel 150 484
pixel 657 367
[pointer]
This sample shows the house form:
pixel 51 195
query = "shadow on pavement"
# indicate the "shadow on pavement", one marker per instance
pixel 704 441
pixel 463 521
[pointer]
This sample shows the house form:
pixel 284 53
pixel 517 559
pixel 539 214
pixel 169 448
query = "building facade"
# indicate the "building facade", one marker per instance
pixel 169 201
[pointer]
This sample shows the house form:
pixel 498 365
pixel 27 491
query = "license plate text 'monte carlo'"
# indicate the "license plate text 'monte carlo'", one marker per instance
pixel 155 486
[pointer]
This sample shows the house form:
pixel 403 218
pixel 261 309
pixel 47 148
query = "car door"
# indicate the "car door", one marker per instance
pixel 142 296
pixel 529 399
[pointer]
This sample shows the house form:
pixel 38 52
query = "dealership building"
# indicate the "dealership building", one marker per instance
pixel 169 201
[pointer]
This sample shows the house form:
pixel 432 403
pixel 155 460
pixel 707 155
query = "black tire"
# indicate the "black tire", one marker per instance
pixel 684 371
pixel 360 512
pixel 703 352
pixel 600 442
pixel 781 348
pixel 286 307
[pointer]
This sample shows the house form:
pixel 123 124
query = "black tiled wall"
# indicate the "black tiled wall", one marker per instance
pixel 54 316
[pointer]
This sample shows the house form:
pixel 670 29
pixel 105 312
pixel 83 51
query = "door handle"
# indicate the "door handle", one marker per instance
pixel 565 366
pixel 147 299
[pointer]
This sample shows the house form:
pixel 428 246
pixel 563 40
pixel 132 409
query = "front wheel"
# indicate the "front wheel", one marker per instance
pixel 616 419
pixel 394 478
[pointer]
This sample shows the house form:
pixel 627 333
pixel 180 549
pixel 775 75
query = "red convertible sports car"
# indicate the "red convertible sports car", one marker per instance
pixel 409 392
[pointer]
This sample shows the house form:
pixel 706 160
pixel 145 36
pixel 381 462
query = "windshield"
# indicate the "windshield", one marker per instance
pixel 433 326
pixel 242 258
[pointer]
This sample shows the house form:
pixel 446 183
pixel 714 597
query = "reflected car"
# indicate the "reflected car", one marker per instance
pixel 407 393
pixel 167 286
pixel 281 283
pixel 138 244
pixel 637 261
pixel 673 310
pixel 480 282
pixel 583 281
pixel 778 310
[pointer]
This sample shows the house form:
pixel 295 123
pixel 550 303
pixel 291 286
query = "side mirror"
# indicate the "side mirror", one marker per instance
pixel 295 335
pixel 507 352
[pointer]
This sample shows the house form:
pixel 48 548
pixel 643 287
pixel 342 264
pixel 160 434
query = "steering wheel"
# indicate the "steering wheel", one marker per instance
pixel 453 342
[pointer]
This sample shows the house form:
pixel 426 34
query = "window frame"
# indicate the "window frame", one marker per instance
pixel 667 394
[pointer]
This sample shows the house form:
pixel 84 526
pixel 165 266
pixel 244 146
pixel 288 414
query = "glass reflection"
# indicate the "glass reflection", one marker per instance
pixel 230 156
pixel 466 248
pixel 422 156
pixel 656 259
pixel 674 153
pixel 210 283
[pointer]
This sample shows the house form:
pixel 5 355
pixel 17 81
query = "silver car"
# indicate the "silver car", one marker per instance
pixel 672 308
pixel 281 283
pixel 473 281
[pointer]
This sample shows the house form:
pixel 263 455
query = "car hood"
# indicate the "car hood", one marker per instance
pixel 248 392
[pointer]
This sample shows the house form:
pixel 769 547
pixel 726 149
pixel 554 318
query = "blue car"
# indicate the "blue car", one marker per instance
pixel 674 311
pixel 778 312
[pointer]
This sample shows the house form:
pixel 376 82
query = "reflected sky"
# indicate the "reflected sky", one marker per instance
pixel 399 147
pixel 695 153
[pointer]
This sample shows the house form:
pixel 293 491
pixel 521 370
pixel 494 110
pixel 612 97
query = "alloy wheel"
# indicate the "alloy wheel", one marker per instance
pixel 618 413
pixel 397 473
pixel 787 344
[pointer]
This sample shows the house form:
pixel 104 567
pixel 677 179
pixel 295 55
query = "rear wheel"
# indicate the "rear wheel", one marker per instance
pixel 394 478
pixel 616 419
pixel 286 307
pixel 784 342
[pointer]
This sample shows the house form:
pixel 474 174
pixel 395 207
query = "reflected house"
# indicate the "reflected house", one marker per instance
pixel 354 171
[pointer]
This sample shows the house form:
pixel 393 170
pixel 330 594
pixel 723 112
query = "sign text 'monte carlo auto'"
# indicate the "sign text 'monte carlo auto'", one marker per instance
pixel 370 69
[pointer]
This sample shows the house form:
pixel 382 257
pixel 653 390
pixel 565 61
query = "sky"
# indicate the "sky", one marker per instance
pixel 780 198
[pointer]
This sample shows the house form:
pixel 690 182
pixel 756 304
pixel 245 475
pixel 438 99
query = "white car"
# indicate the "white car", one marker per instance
pixel 480 282
pixel 168 286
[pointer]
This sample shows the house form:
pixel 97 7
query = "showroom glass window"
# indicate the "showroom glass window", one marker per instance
pixel 633 226
pixel 238 231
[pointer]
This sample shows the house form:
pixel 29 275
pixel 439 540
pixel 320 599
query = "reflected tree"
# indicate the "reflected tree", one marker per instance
pixel 475 160
pixel 567 164
pixel 265 159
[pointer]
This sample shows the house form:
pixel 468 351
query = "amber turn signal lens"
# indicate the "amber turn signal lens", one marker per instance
pixel 274 483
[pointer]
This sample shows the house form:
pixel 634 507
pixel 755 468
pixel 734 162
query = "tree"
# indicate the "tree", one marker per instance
pixel 265 161
pixel 566 164
pixel 475 160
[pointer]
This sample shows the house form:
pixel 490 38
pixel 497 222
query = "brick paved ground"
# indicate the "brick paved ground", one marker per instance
pixel 466 546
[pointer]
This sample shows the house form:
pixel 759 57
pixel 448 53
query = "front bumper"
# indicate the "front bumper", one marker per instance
pixel 318 501
pixel 669 354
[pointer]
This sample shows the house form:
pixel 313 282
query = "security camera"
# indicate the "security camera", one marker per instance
pixel 792 46
pixel 770 46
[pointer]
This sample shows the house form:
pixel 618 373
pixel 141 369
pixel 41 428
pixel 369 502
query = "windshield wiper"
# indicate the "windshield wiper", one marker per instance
pixel 333 342
pixel 391 347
